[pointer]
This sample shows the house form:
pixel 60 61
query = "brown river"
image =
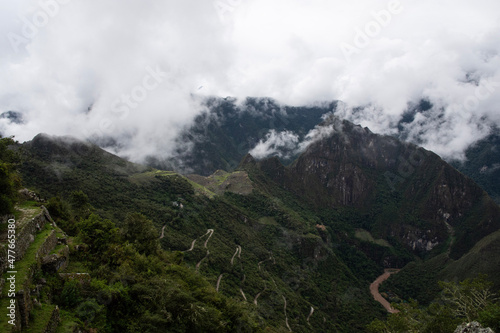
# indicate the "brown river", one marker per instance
pixel 374 290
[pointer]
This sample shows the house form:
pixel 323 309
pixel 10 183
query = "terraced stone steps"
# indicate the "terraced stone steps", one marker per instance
pixel 36 237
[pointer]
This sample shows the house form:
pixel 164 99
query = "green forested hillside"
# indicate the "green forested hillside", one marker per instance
pixel 9 179
pixel 398 191
pixel 266 248
pixel 261 251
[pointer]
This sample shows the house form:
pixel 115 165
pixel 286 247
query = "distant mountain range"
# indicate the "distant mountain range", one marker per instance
pixel 291 211
pixel 220 137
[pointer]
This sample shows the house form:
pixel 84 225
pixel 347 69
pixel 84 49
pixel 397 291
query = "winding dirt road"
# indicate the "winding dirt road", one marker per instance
pixel 260 293
pixel 211 232
pixel 310 314
pixel 218 282
pixel 238 252
pixel 374 290
pixel 286 316
pixel 163 232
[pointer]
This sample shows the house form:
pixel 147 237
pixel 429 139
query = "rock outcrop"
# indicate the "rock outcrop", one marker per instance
pixel 473 327
pixel 407 193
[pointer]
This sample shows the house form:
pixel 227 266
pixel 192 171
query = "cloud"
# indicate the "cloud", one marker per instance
pixel 320 132
pixel 96 52
pixel 287 144
pixel 282 144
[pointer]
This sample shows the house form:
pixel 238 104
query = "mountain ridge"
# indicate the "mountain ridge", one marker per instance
pixel 295 234
pixel 355 167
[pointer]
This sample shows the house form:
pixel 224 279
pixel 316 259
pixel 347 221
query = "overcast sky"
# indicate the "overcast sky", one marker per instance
pixel 141 64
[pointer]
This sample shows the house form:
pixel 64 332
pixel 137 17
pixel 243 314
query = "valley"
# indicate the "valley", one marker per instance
pixel 299 247
pixel 235 166
pixel 375 292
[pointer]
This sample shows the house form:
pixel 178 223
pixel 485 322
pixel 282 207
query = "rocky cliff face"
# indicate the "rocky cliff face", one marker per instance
pixel 405 191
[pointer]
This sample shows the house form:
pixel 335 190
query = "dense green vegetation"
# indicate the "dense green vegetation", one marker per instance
pixel 419 280
pixel 466 301
pixel 9 179
pixel 137 287
pixel 164 253
pixel 117 212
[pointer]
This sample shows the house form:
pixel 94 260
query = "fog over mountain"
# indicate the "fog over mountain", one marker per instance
pixel 139 71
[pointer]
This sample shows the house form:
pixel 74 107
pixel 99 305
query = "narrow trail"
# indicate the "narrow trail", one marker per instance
pixel 199 262
pixel 238 252
pixel 286 316
pixel 268 259
pixel 192 246
pixel 255 300
pixel 376 295
pixel 211 232
pixel 241 290
pixel 275 285
pixel 258 295
pixel 163 232
pixel 310 314
pixel 218 282
pixel 243 294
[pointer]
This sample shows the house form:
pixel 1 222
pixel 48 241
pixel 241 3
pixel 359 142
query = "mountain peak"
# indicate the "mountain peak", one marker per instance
pixel 405 191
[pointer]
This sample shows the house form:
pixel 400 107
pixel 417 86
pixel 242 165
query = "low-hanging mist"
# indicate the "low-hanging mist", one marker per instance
pixel 138 73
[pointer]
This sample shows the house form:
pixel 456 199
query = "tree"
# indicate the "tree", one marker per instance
pixel 410 318
pixel 141 232
pixel 490 317
pixel 98 233
pixel 60 211
pixel 469 300
pixel 80 204
pixel 469 297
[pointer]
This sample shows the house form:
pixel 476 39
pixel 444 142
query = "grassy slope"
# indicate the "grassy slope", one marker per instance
pixel 484 257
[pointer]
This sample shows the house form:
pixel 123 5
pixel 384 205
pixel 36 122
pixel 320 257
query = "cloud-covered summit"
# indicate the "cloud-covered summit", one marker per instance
pixel 144 67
